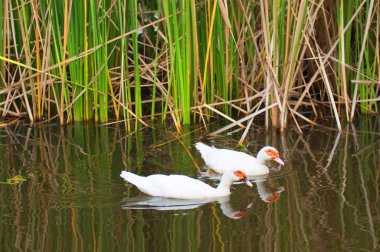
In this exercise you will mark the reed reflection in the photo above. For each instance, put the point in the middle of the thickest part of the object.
(71, 197)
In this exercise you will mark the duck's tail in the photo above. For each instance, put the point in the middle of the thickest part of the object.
(130, 177)
(204, 149)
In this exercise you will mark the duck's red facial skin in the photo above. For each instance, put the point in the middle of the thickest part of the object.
(241, 175)
(272, 153)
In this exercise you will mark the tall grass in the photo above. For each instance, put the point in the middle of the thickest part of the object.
(288, 61)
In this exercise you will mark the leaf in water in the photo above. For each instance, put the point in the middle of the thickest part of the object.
(15, 180)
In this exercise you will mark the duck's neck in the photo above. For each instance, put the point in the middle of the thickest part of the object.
(225, 184)
(261, 157)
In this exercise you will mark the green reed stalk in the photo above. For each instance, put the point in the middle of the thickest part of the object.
(99, 62)
(208, 73)
(85, 98)
(275, 54)
(365, 55)
(180, 58)
(165, 7)
(58, 49)
(202, 36)
(2, 47)
(232, 55)
(76, 25)
(24, 15)
(153, 108)
(267, 35)
(172, 82)
(344, 52)
(188, 74)
(371, 65)
(297, 27)
(220, 60)
(178, 64)
(37, 57)
(103, 64)
(277, 26)
(194, 43)
(376, 67)
(124, 83)
(137, 82)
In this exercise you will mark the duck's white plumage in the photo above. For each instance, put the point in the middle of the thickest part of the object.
(222, 160)
(183, 187)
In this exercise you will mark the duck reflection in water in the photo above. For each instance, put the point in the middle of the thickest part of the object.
(267, 193)
(166, 204)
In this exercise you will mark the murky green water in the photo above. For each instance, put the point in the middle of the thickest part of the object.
(70, 196)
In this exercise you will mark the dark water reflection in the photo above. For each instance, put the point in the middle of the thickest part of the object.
(326, 197)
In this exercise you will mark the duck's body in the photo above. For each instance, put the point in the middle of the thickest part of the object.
(183, 187)
(221, 160)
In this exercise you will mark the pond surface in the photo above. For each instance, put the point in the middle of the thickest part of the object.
(60, 190)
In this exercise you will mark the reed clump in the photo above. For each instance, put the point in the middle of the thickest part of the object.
(289, 61)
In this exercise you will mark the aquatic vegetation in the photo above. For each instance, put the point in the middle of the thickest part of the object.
(14, 180)
(288, 61)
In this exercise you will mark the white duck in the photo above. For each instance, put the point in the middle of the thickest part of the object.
(183, 187)
(221, 160)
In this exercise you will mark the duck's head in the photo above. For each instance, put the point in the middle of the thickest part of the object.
(269, 153)
(240, 176)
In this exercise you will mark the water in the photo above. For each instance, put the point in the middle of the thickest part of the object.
(69, 196)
